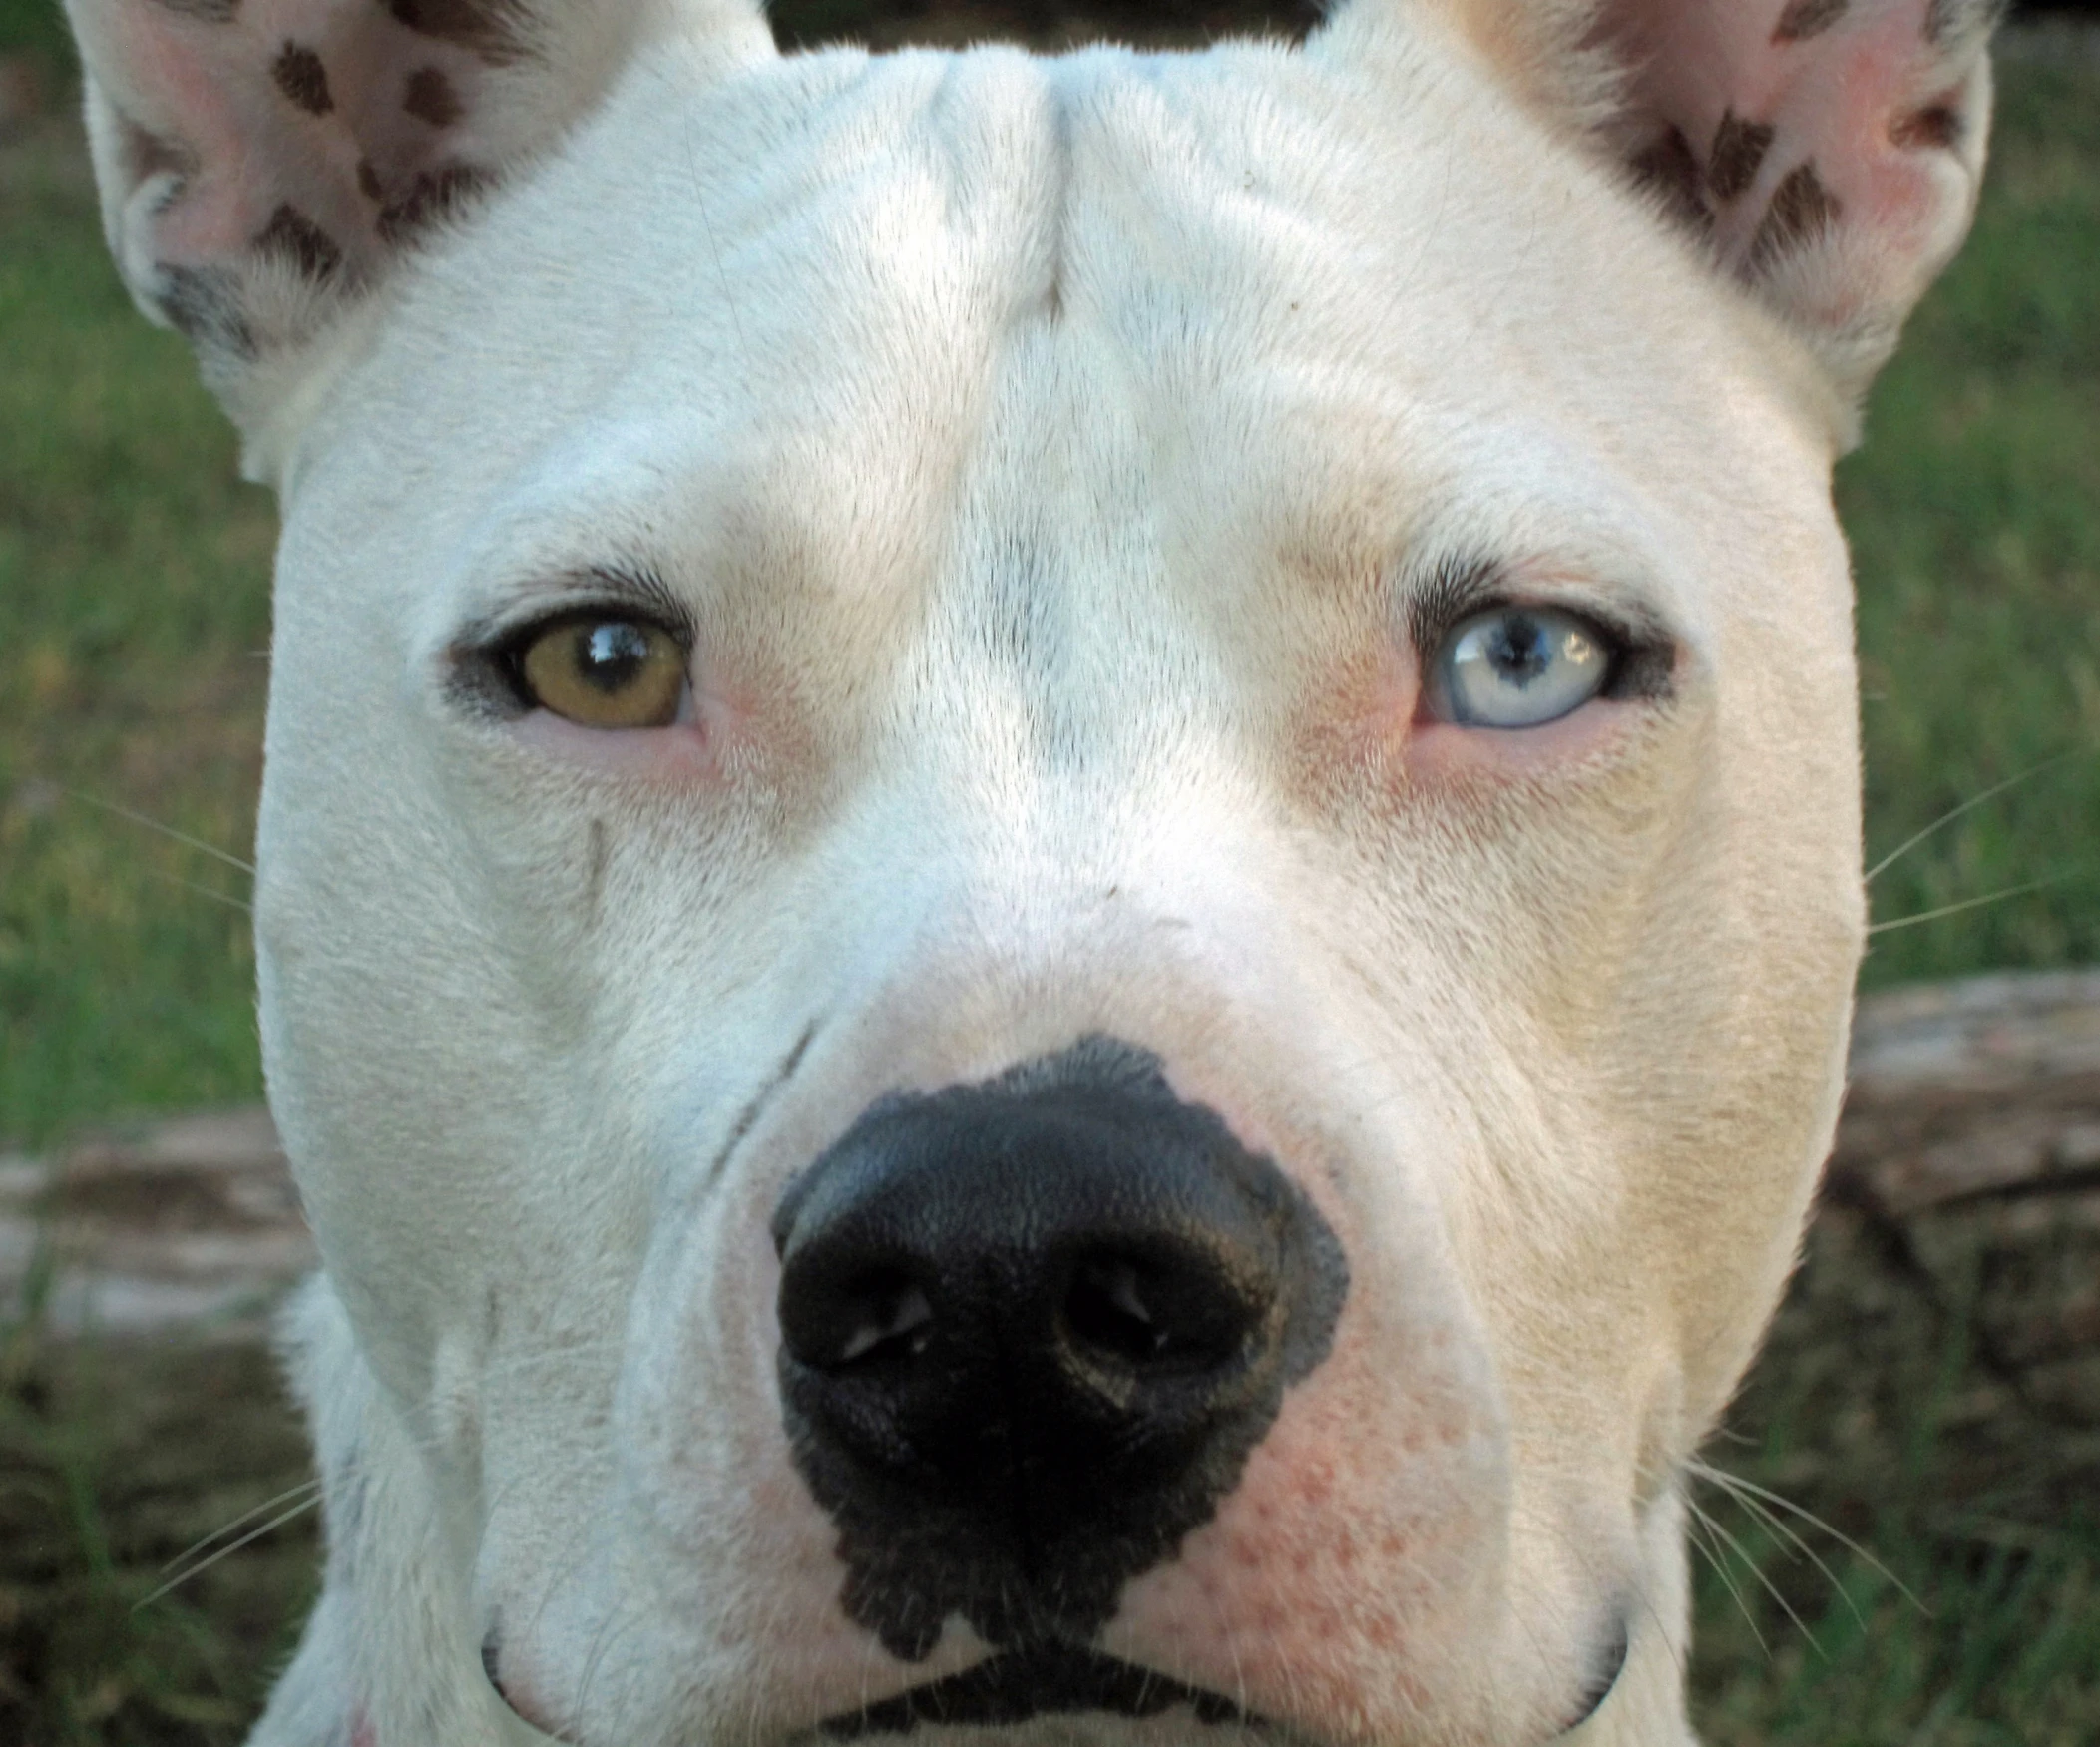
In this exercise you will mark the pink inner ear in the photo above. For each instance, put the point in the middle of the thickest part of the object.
(1800, 119)
(322, 135)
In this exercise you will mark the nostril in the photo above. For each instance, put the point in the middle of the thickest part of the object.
(838, 1319)
(894, 1321)
(1158, 1316)
(1107, 1309)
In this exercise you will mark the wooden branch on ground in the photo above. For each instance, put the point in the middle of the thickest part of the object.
(1977, 1090)
(189, 1223)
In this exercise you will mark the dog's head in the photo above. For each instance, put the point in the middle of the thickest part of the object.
(1059, 866)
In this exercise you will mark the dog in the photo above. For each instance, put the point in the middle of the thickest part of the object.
(1059, 866)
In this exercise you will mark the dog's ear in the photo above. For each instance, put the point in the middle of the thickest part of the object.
(1826, 151)
(265, 163)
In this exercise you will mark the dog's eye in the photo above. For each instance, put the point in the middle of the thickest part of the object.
(602, 673)
(1519, 667)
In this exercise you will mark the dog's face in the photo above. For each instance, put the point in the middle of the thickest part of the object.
(1060, 865)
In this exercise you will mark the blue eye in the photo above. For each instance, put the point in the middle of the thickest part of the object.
(1517, 667)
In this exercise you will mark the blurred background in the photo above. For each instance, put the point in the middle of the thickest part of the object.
(1901, 1542)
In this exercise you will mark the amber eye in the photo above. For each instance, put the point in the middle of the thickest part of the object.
(604, 673)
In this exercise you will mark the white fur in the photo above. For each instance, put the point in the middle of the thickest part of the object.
(1047, 451)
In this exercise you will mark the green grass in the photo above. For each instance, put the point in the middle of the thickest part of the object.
(133, 619)
(1906, 1400)
(38, 27)
(112, 1461)
(1974, 513)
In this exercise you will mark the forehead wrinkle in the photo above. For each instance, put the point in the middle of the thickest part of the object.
(1055, 545)
(1113, 423)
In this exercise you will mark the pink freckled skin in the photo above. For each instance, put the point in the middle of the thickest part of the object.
(729, 732)
(681, 751)
(362, 1734)
(1336, 1584)
(1383, 719)
(1443, 754)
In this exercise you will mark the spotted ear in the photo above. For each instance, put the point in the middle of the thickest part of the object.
(263, 164)
(1827, 152)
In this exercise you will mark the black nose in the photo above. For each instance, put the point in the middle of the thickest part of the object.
(1032, 1329)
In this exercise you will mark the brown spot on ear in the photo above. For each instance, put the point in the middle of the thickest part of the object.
(494, 30)
(1806, 18)
(1939, 125)
(436, 195)
(1739, 149)
(430, 97)
(303, 80)
(202, 305)
(1671, 169)
(204, 11)
(1801, 210)
(296, 238)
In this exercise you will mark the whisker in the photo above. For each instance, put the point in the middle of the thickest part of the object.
(267, 1505)
(217, 897)
(2018, 891)
(183, 837)
(601, 1645)
(226, 1552)
(1775, 1525)
(1701, 1529)
(1766, 1583)
(1736, 1484)
(1953, 813)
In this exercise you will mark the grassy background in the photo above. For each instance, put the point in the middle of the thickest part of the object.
(134, 623)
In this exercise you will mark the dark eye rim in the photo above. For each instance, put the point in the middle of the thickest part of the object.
(506, 654)
(1641, 661)
(487, 673)
(482, 667)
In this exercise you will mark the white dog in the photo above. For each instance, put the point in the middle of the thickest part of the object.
(1061, 861)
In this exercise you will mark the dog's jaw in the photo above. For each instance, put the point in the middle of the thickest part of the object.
(381, 1660)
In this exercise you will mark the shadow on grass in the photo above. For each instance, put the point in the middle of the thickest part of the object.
(1931, 1393)
(114, 1458)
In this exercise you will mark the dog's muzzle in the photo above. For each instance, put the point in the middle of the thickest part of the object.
(1032, 1329)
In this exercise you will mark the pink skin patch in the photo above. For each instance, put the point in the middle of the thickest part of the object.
(352, 144)
(1862, 107)
(1332, 1586)
(1583, 741)
(717, 735)
(1374, 716)
(362, 1734)
(680, 754)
